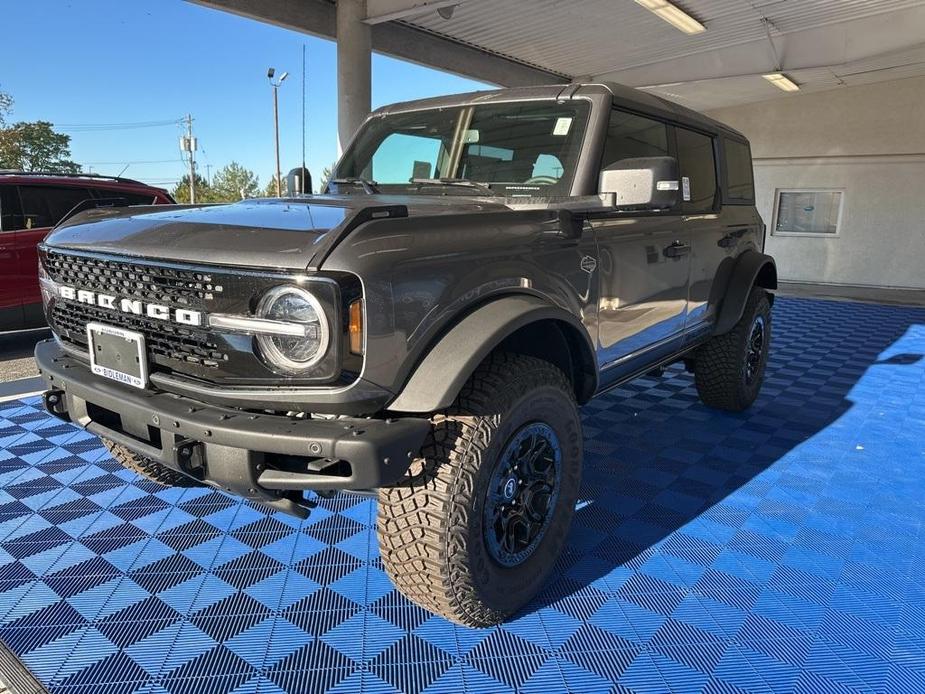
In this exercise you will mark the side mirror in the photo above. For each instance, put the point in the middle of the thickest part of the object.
(299, 182)
(646, 183)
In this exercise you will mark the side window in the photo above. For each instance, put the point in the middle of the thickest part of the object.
(698, 165)
(44, 206)
(390, 163)
(132, 198)
(10, 217)
(740, 184)
(630, 136)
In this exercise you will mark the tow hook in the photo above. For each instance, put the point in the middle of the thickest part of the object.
(56, 403)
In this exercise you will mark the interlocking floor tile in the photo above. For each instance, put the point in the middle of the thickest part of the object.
(781, 549)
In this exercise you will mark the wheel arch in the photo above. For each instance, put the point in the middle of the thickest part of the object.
(752, 269)
(524, 324)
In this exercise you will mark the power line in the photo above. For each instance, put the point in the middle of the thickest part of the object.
(103, 127)
(149, 161)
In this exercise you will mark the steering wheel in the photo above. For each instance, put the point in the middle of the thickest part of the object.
(542, 181)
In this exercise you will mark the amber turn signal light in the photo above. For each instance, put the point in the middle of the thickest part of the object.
(356, 327)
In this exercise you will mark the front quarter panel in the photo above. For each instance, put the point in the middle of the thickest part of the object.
(420, 275)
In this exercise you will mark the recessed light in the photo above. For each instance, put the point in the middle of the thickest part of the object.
(674, 15)
(781, 81)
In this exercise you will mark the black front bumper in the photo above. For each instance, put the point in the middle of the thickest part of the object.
(265, 457)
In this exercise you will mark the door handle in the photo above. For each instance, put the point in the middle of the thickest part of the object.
(676, 250)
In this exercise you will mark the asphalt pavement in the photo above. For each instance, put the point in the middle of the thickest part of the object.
(17, 366)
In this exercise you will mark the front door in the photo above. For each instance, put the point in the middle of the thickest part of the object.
(644, 267)
(644, 261)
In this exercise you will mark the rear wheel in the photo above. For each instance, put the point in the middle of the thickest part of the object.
(729, 369)
(148, 468)
(474, 529)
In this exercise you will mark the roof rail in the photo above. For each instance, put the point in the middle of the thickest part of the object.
(59, 174)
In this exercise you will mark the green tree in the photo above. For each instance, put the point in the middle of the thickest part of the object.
(234, 182)
(326, 174)
(6, 107)
(270, 190)
(181, 190)
(36, 147)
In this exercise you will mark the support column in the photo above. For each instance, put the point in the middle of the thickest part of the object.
(354, 69)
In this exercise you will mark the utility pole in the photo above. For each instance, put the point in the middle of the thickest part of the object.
(270, 72)
(188, 144)
(209, 174)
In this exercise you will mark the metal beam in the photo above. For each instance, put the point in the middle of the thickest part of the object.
(316, 17)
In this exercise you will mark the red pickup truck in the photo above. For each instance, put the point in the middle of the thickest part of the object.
(31, 203)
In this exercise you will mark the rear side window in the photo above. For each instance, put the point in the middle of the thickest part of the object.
(630, 136)
(44, 206)
(131, 198)
(740, 182)
(10, 218)
(698, 171)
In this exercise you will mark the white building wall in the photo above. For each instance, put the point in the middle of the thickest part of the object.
(868, 141)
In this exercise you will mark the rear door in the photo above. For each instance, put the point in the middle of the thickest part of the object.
(644, 262)
(43, 206)
(10, 223)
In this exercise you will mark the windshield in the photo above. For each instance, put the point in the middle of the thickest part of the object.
(527, 148)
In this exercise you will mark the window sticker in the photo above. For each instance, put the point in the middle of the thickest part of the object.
(562, 126)
(686, 188)
(471, 137)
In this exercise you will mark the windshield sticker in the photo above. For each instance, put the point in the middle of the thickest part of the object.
(686, 188)
(562, 126)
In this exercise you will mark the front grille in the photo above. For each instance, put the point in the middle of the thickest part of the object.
(177, 287)
(162, 339)
(174, 287)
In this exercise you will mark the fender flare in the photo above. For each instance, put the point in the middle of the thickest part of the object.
(450, 362)
(750, 269)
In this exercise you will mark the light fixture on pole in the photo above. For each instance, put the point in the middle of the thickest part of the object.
(270, 73)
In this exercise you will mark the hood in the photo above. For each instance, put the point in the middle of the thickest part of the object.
(284, 233)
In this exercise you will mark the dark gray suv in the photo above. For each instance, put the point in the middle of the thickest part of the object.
(478, 267)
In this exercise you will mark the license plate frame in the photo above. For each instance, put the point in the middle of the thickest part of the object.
(117, 354)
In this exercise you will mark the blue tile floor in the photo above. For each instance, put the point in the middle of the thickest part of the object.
(778, 550)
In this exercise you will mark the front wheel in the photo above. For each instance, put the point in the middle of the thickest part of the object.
(729, 369)
(474, 529)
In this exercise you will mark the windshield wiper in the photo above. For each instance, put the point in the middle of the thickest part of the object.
(454, 182)
(369, 187)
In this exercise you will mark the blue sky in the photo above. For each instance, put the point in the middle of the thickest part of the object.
(125, 61)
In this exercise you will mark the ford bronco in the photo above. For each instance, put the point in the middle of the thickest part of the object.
(477, 268)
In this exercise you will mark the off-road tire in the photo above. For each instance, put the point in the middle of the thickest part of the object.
(720, 364)
(431, 525)
(147, 468)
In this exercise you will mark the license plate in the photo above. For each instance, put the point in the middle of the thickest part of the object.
(117, 354)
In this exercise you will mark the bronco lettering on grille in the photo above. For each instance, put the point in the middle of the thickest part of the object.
(158, 311)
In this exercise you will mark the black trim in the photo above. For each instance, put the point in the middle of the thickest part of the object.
(245, 453)
(15, 676)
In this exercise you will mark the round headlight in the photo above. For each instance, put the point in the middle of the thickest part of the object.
(299, 309)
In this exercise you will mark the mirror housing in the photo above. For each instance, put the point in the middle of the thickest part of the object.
(643, 183)
(299, 181)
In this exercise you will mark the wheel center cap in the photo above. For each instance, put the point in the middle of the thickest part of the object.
(510, 487)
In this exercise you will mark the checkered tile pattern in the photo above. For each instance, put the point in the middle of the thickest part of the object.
(777, 550)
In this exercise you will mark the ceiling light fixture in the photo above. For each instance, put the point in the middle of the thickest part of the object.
(781, 81)
(674, 15)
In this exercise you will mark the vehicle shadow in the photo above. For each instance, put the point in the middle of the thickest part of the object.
(657, 461)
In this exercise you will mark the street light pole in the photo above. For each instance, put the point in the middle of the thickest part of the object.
(275, 85)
